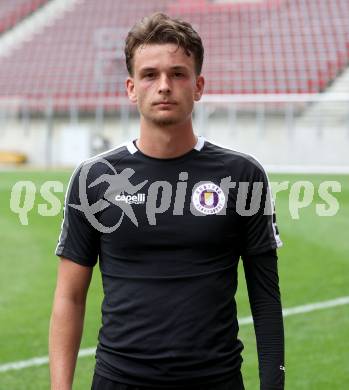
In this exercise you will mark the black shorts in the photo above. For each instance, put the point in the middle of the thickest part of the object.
(101, 383)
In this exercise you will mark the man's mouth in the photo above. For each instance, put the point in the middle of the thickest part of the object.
(164, 103)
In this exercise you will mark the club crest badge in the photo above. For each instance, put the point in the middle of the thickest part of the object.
(208, 198)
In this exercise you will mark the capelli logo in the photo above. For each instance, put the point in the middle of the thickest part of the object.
(131, 199)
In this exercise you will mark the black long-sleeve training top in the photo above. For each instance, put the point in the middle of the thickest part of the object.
(168, 235)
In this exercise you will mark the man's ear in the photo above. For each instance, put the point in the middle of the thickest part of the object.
(130, 87)
(199, 87)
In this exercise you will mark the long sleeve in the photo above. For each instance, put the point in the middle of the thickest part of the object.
(262, 280)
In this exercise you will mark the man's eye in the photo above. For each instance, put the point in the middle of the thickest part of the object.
(149, 75)
(178, 74)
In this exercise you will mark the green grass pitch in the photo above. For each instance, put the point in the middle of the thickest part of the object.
(313, 267)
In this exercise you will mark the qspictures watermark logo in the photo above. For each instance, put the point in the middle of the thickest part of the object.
(206, 197)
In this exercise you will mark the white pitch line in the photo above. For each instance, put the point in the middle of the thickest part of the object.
(302, 309)
(39, 361)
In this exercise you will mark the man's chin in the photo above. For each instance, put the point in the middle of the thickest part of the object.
(165, 121)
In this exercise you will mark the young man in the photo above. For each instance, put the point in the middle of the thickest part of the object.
(168, 215)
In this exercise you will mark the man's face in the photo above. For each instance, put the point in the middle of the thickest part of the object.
(164, 84)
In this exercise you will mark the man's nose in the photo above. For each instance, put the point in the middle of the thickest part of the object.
(164, 84)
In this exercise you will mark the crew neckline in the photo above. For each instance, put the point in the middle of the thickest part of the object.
(133, 149)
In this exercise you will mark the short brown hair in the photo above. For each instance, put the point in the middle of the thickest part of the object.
(160, 28)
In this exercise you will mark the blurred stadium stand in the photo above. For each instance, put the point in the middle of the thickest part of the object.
(67, 58)
(13, 11)
(292, 46)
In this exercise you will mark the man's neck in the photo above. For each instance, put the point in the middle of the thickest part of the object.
(168, 142)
